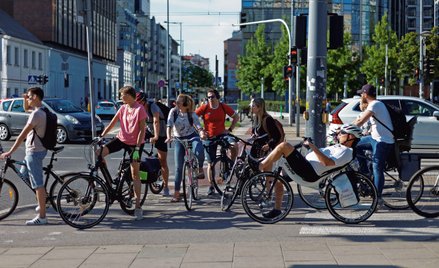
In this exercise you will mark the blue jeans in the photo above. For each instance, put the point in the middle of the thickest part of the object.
(34, 163)
(380, 153)
(179, 152)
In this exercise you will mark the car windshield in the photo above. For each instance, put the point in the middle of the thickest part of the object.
(63, 106)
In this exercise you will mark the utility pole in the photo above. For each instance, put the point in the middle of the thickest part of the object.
(316, 72)
(421, 52)
(168, 90)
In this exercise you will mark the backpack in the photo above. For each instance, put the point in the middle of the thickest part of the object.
(50, 135)
(400, 126)
(165, 110)
(279, 128)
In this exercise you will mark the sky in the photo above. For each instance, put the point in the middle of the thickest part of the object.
(205, 25)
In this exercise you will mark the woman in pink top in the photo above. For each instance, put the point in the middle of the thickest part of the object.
(131, 137)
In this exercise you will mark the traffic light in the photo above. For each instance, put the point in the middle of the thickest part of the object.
(243, 20)
(335, 31)
(382, 81)
(288, 71)
(426, 68)
(417, 74)
(293, 55)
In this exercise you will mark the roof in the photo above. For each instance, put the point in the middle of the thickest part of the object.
(9, 26)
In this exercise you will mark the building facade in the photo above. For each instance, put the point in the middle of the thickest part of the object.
(232, 48)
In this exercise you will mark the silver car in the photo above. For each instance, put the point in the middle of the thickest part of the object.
(74, 124)
(426, 130)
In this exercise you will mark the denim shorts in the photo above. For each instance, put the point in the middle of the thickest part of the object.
(211, 146)
(34, 162)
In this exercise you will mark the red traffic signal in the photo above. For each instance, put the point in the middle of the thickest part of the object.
(288, 71)
(293, 55)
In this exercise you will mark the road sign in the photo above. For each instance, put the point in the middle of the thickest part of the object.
(161, 83)
(32, 79)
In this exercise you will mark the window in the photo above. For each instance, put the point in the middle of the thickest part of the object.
(25, 59)
(6, 104)
(417, 108)
(33, 60)
(16, 56)
(17, 106)
(40, 61)
(8, 55)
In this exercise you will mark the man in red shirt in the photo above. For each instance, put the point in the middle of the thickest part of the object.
(214, 116)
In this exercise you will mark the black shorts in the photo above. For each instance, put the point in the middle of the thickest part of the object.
(116, 145)
(161, 144)
(301, 166)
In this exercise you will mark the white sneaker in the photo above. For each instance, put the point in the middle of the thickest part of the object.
(37, 221)
(138, 214)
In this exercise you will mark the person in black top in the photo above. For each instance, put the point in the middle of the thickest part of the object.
(263, 124)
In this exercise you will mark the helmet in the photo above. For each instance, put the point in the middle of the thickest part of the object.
(140, 96)
(352, 129)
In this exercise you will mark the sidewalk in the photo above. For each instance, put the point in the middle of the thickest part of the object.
(310, 252)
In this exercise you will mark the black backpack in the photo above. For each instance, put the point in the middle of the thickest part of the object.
(402, 130)
(50, 135)
(165, 110)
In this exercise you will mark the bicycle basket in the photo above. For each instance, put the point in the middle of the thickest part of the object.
(149, 169)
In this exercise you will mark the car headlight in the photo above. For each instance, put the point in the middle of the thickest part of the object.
(72, 119)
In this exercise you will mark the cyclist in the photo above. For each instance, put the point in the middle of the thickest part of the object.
(380, 141)
(214, 115)
(131, 137)
(35, 151)
(156, 125)
(315, 163)
(185, 123)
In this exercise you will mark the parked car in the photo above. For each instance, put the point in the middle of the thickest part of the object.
(74, 124)
(106, 109)
(119, 103)
(424, 135)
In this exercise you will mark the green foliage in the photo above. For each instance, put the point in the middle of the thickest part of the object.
(373, 65)
(252, 66)
(342, 63)
(432, 45)
(196, 76)
(408, 56)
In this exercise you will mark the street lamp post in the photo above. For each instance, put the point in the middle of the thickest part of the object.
(421, 52)
(181, 51)
(262, 87)
(168, 90)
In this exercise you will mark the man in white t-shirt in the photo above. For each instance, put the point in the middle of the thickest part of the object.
(380, 141)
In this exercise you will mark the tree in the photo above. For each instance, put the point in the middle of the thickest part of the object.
(343, 64)
(408, 57)
(432, 48)
(252, 66)
(280, 59)
(195, 76)
(374, 64)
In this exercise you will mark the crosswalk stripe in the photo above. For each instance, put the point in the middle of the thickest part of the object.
(370, 227)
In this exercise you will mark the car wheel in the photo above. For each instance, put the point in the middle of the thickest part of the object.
(5, 134)
(61, 135)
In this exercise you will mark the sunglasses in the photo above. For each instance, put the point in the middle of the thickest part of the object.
(211, 97)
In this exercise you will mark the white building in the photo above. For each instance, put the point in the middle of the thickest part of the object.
(22, 58)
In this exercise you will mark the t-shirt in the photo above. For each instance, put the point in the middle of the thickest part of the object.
(340, 154)
(38, 120)
(214, 118)
(379, 132)
(181, 127)
(130, 118)
(150, 122)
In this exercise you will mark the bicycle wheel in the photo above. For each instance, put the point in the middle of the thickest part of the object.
(8, 198)
(54, 190)
(258, 198)
(157, 186)
(423, 192)
(126, 194)
(218, 174)
(312, 197)
(394, 192)
(366, 195)
(187, 188)
(83, 201)
(230, 193)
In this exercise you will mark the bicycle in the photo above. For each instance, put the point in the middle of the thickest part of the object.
(423, 192)
(223, 163)
(259, 193)
(8, 191)
(84, 199)
(189, 173)
(236, 176)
